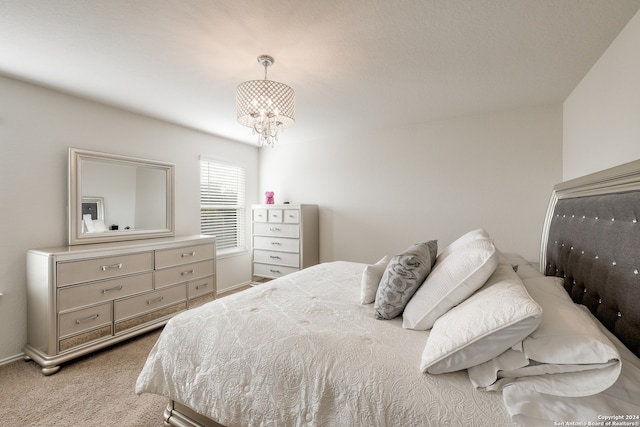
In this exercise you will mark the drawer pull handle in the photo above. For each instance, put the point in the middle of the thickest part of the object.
(204, 285)
(275, 243)
(274, 229)
(87, 319)
(274, 257)
(111, 267)
(185, 273)
(115, 288)
(188, 254)
(274, 271)
(151, 301)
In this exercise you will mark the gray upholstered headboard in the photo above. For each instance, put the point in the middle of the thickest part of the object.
(591, 238)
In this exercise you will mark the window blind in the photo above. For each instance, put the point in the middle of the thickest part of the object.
(222, 203)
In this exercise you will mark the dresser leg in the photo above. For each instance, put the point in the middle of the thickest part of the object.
(50, 370)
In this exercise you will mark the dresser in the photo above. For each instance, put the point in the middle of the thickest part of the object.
(285, 239)
(87, 297)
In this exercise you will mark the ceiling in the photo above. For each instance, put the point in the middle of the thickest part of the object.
(355, 65)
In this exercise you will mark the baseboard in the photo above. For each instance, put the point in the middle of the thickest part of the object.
(11, 359)
(233, 289)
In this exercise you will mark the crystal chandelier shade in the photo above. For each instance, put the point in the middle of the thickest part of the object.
(265, 106)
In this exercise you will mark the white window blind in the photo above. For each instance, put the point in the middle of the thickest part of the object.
(222, 203)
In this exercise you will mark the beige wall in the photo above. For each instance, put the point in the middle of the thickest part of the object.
(379, 193)
(36, 127)
(602, 114)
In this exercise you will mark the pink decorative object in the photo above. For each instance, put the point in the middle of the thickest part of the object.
(268, 195)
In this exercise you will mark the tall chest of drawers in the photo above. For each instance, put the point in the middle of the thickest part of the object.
(285, 239)
(84, 298)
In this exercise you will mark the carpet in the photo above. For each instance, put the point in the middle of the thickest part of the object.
(94, 390)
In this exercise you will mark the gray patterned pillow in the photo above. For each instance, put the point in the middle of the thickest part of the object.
(402, 278)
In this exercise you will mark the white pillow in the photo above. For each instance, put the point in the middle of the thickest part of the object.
(452, 280)
(567, 334)
(371, 279)
(463, 240)
(482, 327)
(567, 355)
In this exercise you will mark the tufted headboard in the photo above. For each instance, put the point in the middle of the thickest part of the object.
(591, 238)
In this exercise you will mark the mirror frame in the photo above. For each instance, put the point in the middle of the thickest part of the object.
(74, 205)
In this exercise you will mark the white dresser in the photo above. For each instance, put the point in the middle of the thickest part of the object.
(285, 239)
(83, 298)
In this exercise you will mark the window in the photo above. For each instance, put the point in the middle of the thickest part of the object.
(222, 205)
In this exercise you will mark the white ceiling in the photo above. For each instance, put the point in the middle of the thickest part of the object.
(354, 64)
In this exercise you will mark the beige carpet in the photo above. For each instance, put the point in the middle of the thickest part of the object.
(95, 390)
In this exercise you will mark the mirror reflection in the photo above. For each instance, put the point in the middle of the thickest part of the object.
(115, 197)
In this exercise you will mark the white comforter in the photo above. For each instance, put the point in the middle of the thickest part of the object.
(302, 351)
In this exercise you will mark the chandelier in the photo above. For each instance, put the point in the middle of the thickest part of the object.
(265, 106)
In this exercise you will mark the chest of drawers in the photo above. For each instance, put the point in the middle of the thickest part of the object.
(285, 239)
(84, 298)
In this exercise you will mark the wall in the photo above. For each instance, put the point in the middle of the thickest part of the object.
(381, 192)
(36, 127)
(602, 114)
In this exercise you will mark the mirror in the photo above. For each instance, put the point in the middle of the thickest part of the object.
(114, 197)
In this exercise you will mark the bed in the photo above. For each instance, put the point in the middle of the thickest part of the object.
(470, 336)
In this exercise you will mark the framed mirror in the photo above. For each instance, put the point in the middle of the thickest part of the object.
(114, 197)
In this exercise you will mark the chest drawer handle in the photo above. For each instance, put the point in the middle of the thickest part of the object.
(87, 319)
(204, 285)
(274, 271)
(151, 301)
(115, 288)
(112, 267)
(274, 257)
(274, 229)
(275, 243)
(188, 254)
(185, 273)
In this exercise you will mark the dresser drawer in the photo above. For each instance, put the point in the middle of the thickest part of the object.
(188, 254)
(274, 271)
(260, 215)
(82, 320)
(276, 244)
(275, 215)
(182, 273)
(71, 297)
(291, 216)
(201, 286)
(134, 306)
(103, 268)
(280, 258)
(277, 230)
